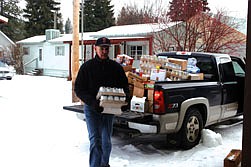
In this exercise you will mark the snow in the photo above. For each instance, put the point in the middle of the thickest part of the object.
(36, 131)
(133, 30)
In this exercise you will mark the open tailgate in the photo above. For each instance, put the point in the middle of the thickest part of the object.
(125, 116)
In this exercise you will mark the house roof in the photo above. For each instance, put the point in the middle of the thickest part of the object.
(114, 32)
(132, 30)
(3, 19)
(7, 38)
(68, 37)
(31, 40)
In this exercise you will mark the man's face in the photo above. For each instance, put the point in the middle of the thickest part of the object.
(102, 51)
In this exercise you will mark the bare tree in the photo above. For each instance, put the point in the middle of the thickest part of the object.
(18, 60)
(131, 14)
(219, 34)
(202, 32)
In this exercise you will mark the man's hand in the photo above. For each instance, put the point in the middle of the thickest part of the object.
(100, 109)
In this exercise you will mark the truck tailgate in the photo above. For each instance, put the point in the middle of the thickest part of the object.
(125, 116)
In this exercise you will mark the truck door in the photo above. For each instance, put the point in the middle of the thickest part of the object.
(239, 71)
(229, 88)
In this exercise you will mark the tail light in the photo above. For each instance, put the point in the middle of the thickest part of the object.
(159, 105)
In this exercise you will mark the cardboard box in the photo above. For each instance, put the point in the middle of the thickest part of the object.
(138, 89)
(233, 159)
(181, 62)
(139, 104)
(150, 94)
(133, 77)
(127, 68)
(150, 106)
(112, 107)
(197, 76)
(158, 74)
(145, 77)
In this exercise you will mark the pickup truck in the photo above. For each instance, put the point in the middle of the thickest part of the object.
(181, 109)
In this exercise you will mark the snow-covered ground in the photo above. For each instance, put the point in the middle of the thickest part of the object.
(36, 132)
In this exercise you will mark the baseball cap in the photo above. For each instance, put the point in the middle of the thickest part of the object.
(103, 41)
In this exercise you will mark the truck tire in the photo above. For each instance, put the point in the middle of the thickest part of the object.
(190, 132)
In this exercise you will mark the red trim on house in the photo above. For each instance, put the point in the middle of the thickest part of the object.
(3, 19)
(113, 42)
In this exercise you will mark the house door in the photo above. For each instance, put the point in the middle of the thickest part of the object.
(40, 58)
(116, 50)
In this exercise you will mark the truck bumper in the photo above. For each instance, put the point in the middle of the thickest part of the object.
(143, 128)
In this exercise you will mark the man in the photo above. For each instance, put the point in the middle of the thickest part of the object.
(93, 74)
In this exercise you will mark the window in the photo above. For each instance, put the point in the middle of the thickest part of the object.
(136, 52)
(227, 70)
(237, 68)
(26, 50)
(59, 51)
(208, 67)
(40, 54)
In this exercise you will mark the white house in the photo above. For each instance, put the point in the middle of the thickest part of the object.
(52, 52)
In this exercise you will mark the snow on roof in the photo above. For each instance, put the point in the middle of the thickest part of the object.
(114, 32)
(132, 30)
(3, 19)
(5, 36)
(68, 37)
(35, 39)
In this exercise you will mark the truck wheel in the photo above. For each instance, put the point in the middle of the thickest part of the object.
(190, 132)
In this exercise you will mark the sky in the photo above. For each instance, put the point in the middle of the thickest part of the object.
(234, 8)
(37, 132)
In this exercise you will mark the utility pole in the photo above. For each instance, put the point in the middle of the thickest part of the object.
(75, 47)
(55, 20)
(82, 31)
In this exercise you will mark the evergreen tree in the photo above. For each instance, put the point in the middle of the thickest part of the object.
(40, 16)
(88, 15)
(98, 14)
(182, 10)
(14, 29)
(68, 26)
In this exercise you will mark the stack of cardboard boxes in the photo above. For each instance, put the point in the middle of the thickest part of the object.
(111, 99)
(141, 91)
(152, 69)
(167, 69)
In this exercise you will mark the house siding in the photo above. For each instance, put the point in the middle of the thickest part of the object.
(51, 64)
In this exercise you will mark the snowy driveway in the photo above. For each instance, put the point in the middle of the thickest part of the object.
(37, 132)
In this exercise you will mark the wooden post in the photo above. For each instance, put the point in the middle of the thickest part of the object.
(75, 47)
(246, 146)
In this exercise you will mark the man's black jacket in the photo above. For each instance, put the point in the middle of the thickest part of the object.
(96, 73)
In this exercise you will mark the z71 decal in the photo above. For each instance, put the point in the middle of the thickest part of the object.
(173, 106)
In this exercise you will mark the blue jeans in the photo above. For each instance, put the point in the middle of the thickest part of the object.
(100, 128)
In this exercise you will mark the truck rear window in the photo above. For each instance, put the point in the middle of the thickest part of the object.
(206, 63)
(207, 66)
